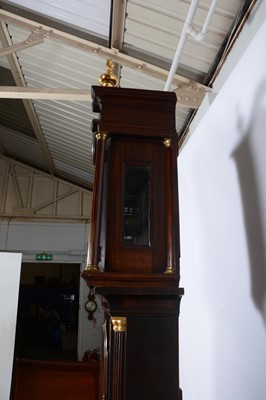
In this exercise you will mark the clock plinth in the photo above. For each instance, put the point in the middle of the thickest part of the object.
(133, 258)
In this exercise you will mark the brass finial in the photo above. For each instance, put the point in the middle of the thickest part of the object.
(108, 79)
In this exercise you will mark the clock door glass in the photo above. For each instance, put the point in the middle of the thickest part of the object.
(136, 205)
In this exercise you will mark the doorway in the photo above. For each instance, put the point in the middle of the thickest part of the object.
(47, 319)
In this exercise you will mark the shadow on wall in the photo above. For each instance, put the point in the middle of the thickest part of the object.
(250, 171)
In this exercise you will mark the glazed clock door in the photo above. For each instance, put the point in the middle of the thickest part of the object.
(136, 206)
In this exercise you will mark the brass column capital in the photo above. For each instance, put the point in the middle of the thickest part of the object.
(101, 135)
(167, 142)
(119, 324)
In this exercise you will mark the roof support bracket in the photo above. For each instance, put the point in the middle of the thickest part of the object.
(36, 37)
(188, 96)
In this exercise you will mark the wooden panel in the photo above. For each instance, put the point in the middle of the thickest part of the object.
(129, 258)
(134, 111)
(136, 282)
(152, 351)
(150, 363)
(54, 380)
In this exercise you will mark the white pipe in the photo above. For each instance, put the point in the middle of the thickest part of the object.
(188, 22)
(188, 29)
(200, 36)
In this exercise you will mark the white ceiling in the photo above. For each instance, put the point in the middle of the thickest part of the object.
(68, 50)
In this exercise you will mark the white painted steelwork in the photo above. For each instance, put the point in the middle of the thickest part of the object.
(29, 193)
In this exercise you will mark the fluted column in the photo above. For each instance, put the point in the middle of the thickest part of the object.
(171, 237)
(97, 201)
(119, 325)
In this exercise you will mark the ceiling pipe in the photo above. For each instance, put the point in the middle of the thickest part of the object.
(189, 30)
(200, 36)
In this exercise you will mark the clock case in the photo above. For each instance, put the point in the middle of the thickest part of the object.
(133, 257)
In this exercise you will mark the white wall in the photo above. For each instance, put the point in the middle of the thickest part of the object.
(67, 241)
(9, 283)
(222, 189)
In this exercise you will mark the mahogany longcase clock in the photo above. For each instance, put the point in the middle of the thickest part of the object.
(133, 258)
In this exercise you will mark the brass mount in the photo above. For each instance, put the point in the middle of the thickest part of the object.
(108, 78)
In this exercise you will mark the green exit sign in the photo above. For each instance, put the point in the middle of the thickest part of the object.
(44, 257)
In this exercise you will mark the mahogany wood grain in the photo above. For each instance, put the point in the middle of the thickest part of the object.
(149, 367)
(145, 113)
(141, 362)
(54, 380)
(117, 366)
(135, 281)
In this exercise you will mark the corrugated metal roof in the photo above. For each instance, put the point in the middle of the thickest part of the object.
(151, 33)
(65, 125)
(87, 14)
(23, 148)
(10, 108)
(155, 27)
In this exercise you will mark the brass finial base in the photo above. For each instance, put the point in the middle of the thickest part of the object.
(92, 268)
(170, 270)
(108, 79)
